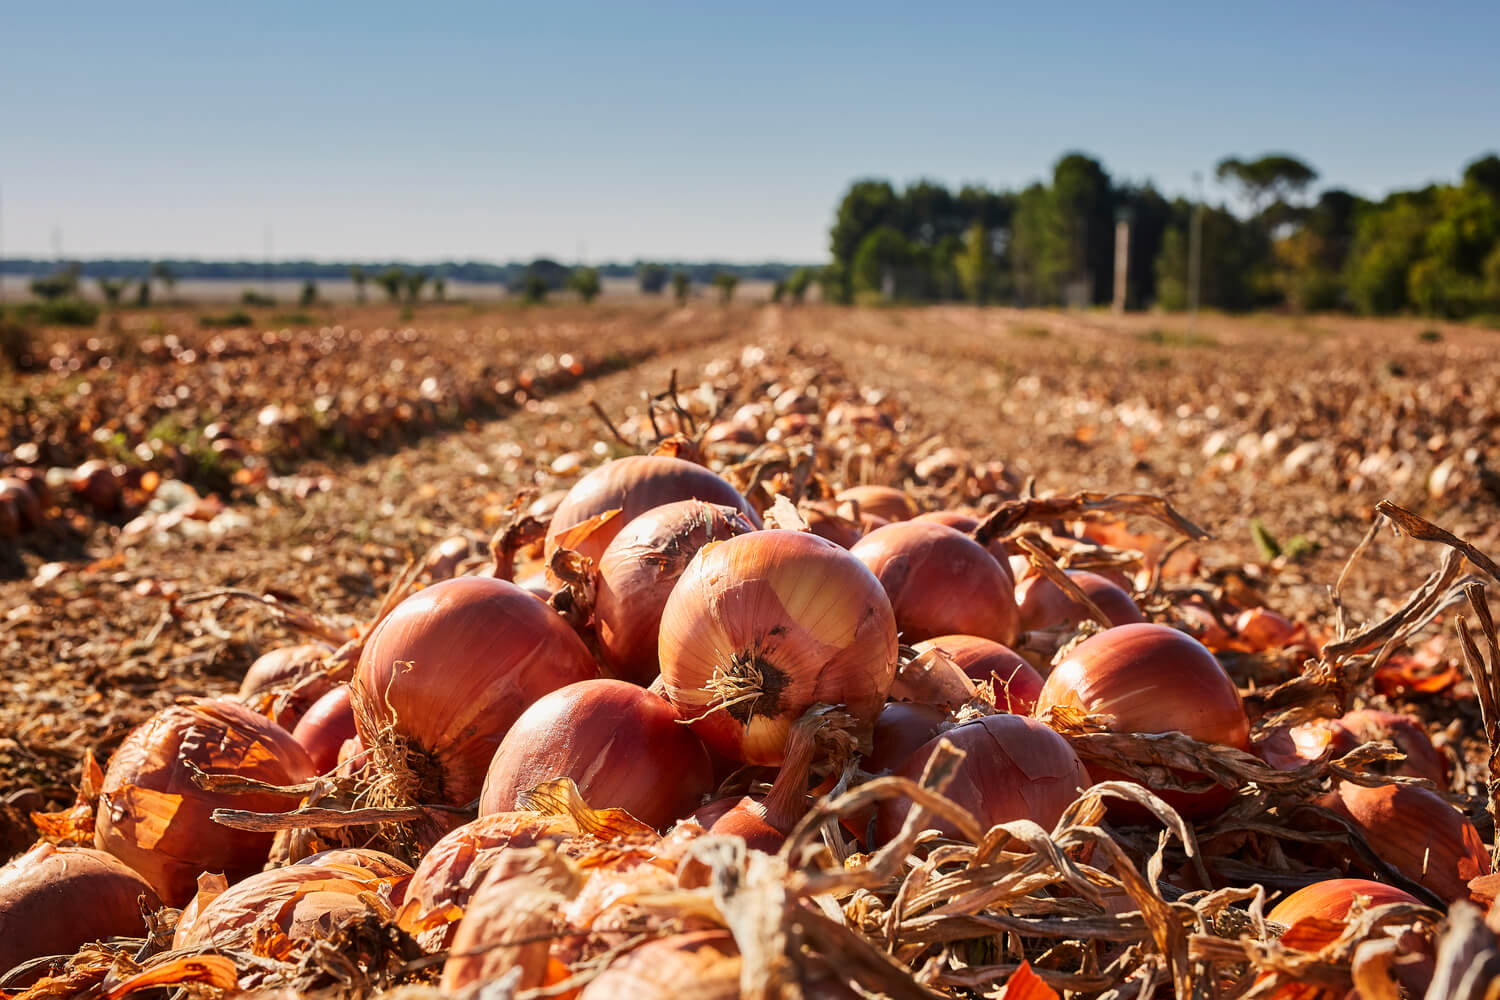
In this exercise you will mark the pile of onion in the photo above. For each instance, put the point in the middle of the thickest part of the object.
(623, 746)
(940, 582)
(1152, 679)
(1417, 833)
(1014, 768)
(153, 816)
(1043, 604)
(637, 572)
(632, 486)
(1016, 683)
(1297, 745)
(765, 822)
(55, 899)
(444, 676)
(761, 627)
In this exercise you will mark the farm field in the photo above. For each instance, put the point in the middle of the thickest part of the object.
(312, 460)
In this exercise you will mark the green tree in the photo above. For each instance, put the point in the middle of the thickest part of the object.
(1267, 182)
(415, 281)
(652, 278)
(1232, 252)
(143, 293)
(111, 289)
(309, 296)
(162, 272)
(681, 285)
(976, 264)
(1484, 173)
(534, 287)
(778, 290)
(797, 283)
(1083, 211)
(439, 287)
(392, 281)
(585, 281)
(886, 265)
(1038, 248)
(726, 283)
(61, 284)
(868, 205)
(358, 276)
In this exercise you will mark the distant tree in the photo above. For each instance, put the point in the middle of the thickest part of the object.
(111, 289)
(975, 264)
(1266, 183)
(392, 281)
(585, 281)
(652, 278)
(778, 290)
(1233, 253)
(309, 296)
(885, 265)
(1484, 173)
(163, 273)
(1083, 201)
(681, 285)
(726, 283)
(797, 283)
(439, 287)
(414, 281)
(868, 205)
(1039, 251)
(60, 284)
(833, 281)
(534, 287)
(358, 276)
(143, 293)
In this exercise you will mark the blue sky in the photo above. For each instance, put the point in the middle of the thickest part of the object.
(694, 130)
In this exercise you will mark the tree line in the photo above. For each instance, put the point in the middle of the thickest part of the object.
(1434, 251)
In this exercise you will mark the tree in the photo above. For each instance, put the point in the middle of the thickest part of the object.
(111, 289)
(392, 281)
(1083, 211)
(868, 205)
(414, 281)
(163, 273)
(143, 293)
(534, 287)
(585, 281)
(726, 283)
(309, 296)
(1038, 252)
(975, 264)
(681, 285)
(439, 288)
(358, 276)
(1484, 173)
(1267, 182)
(778, 291)
(652, 278)
(885, 265)
(1233, 252)
(797, 283)
(60, 284)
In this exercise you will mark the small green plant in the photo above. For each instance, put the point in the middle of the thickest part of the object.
(1430, 336)
(726, 284)
(68, 312)
(406, 314)
(585, 281)
(250, 297)
(309, 296)
(1265, 542)
(1395, 369)
(681, 286)
(233, 318)
(294, 319)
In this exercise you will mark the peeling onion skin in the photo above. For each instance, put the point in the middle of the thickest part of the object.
(1414, 830)
(54, 900)
(637, 572)
(1015, 768)
(267, 685)
(1044, 605)
(795, 610)
(480, 651)
(1017, 684)
(146, 779)
(623, 746)
(634, 485)
(940, 582)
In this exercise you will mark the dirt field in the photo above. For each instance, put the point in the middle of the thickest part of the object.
(1302, 423)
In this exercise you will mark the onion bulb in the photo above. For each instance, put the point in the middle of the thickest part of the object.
(278, 684)
(1332, 899)
(1014, 768)
(1043, 603)
(825, 522)
(940, 582)
(1016, 683)
(154, 818)
(633, 486)
(1417, 833)
(762, 627)
(1295, 746)
(638, 570)
(885, 502)
(966, 524)
(901, 728)
(704, 965)
(325, 727)
(444, 676)
(1152, 679)
(622, 745)
(765, 822)
(55, 899)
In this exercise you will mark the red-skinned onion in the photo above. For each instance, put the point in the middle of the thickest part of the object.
(762, 627)
(325, 727)
(880, 501)
(765, 822)
(965, 524)
(1043, 604)
(279, 683)
(823, 521)
(1416, 832)
(1016, 683)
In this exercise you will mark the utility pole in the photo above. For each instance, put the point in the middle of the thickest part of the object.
(1195, 251)
(1122, 260)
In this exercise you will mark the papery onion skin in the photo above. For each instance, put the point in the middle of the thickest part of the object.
(1417, 833)
(1152, 679)
(154, 818)
(509, 924)
(789, 616)
(451, 669)
(636, 574)
(1332, 899)
(701, 966)
(1016, 683)
(1044, 605)
(634, 485)
(55, 899)
(623, 746)
(881, 501)
(1015, 768)
(325, 727)
(940, 582)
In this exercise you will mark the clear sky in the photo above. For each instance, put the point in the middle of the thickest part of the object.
(682, 130)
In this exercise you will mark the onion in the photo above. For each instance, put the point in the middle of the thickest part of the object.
(701, 966)
(940, 582)
(1152, 679)
(1292, 747)
(1332, 899)
(271, 685)
(634, 485)
(761, 627)
(1417, 833)
(98, 484)
(825, 522)
(325, 727)
(966, 524)
(1043, 603)
(55, 899)
(765, 822)
(448, 672)
(637, 573)
(1262, 628)
(303, 901)
(901, 728)
(1017, 684)
(154, 818)
(622, 745)
(1015, 768)
(23, 503)
(881, 501)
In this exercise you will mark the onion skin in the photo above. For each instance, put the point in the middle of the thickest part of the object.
(966, 524)
(826, 523)
(509, 922)
(885, 502)
(154, 818)
(637, 572)
(474, 653)
(784, 619)
(278, 684)
(701, 966)
(1044, 605)
(1417, 833)
(622, 745)
(1016, 683)
(1332, 899)
(53, 900)
(1152, 679)
(901, 728)
(1016, 768)
(634, 485)
(325, 727)
(940, 582)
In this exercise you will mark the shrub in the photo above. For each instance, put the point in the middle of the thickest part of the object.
(236, 317)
